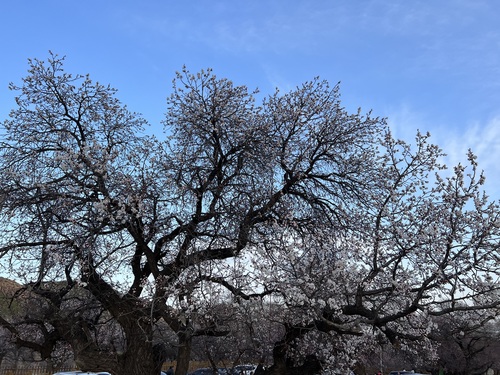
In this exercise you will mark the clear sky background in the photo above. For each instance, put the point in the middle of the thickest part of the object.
(432, 65)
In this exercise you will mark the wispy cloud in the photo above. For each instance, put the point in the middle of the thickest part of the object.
(484, 141)
(482, 138)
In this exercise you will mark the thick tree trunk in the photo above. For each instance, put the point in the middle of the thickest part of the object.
(183, 353)
(282, 365)
(140, 360)
(140, 356)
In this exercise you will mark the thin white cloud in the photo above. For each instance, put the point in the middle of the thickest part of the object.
(484, 141)
(482, 138)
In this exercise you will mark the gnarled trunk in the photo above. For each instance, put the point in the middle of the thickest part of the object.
(140, 357)
(282, 365)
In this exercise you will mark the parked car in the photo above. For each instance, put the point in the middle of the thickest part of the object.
(208, 371)
(89, 373)
(243, 370)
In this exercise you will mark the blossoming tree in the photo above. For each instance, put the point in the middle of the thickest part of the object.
(355, 234)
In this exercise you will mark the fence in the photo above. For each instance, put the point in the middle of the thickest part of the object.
(42, 369)
(37, 369)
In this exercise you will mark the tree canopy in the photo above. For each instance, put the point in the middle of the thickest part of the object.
(356, 237)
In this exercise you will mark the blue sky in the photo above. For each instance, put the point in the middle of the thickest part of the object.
(432, 65)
